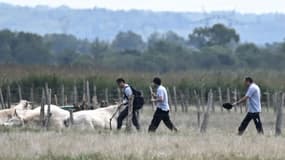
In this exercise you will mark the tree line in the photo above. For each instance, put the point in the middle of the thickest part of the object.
(215, 47)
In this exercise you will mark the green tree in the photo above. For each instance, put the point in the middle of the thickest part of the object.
(218, 34)
(98, 48)
(27, 48)
(249, 55)
(128, 41)
(168, 43)
(6, 38)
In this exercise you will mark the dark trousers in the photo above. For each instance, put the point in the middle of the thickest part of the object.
(124, 114)
(157, 117)
(247, 119)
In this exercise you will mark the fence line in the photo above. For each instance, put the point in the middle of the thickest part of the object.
(184, 98)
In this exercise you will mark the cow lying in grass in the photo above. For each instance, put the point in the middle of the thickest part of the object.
(32, 117)
(98, 118)
(6, 114)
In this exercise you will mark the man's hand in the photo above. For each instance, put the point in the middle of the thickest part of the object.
(235, 103)
(153, 100)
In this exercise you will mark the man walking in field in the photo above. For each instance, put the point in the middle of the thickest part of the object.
(253, 99)
(128, 92)
(162, 110)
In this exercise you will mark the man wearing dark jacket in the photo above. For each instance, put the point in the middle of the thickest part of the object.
(127, 93)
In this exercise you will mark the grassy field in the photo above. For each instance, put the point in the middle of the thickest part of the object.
(219, 143)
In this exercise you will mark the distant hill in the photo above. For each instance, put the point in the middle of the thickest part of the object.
(105, 24)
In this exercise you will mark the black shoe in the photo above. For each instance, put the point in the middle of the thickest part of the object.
(175, 129)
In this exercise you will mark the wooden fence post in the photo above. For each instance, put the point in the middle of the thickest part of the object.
(228, 96)
(84, 95)
(2, 100)
(198, 104)
(220, 99)
(175, 98)
(275, 101)
(88, 94)
(235, 98)
(55, 99)
(62, 95)
(203, 99)
(107, 96)
(48, 99)
(130, 114)
(20, 92)
(75, 95)
(65, 100)
(151, 97)
(119, 95)
(187, 99)
(267, 101)
(42, 110)
(94, 98)
(32, 94)
(70, 117)
(240, 105)
(182, 101)
(9, 96)
(279, 115)
(205, 121)
(141, 110)
(213, 102)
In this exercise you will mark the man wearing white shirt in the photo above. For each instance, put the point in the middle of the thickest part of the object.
(162, 110)
(253, 98)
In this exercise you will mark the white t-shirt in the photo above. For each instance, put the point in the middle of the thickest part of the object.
(161, 92)
(127, 93)
(253, 102)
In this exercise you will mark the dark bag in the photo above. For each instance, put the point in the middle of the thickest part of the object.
(138, 99)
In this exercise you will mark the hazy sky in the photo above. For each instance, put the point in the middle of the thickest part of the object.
(252, 6)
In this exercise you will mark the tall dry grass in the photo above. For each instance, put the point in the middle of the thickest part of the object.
(219, 143)
(55, 76)
(268, 79)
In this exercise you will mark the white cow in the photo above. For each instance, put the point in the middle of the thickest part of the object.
(57, 118)
(98, 118)
(6, 114)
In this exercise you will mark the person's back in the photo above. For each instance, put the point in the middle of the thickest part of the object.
(162, 92)
(254, 99)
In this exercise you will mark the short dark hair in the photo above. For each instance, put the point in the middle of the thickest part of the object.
(119, 80)
(249, 79)
(157, 81)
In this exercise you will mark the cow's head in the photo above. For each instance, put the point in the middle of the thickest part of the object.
(24, 105)
(14, 120)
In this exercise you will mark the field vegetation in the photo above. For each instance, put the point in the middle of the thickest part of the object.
(220, 142)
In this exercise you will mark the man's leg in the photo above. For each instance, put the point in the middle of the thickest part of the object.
(244, 123)
(155, 121)
(168, 123)
(135, 120)
(258, 123)
(121, 117)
